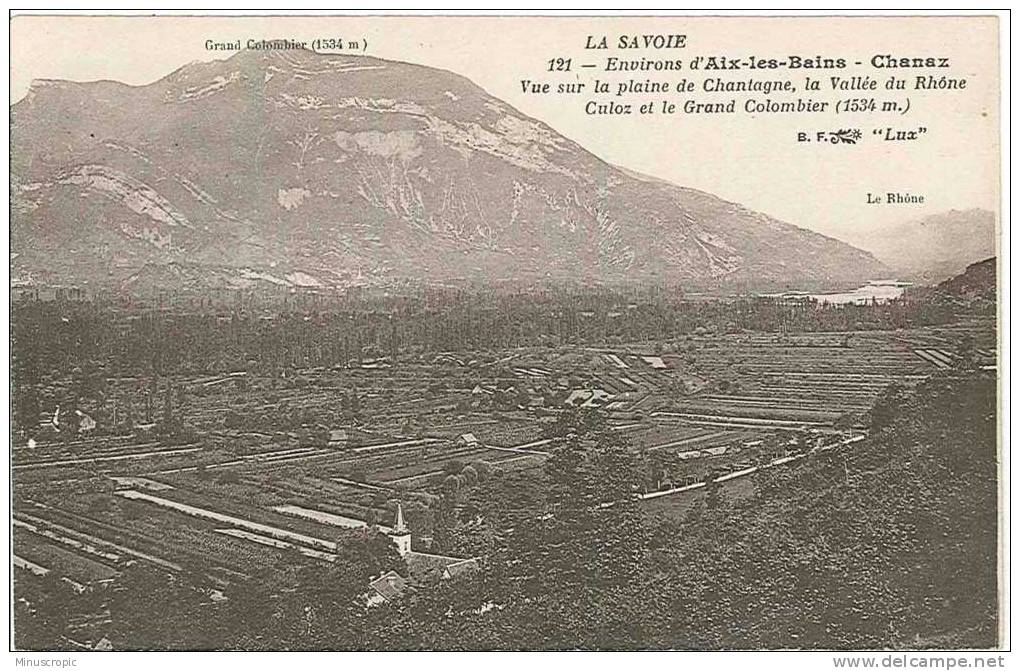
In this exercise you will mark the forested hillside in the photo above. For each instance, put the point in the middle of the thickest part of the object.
(890, 543)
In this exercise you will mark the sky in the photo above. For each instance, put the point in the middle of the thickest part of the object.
(751, 159)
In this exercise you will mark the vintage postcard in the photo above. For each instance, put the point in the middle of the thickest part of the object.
(504, 333)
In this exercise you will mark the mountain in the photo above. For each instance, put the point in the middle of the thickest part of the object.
(976, 285)
(298, 169)
(935, 247)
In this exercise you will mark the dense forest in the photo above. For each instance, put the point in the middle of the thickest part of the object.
(56, 337)
(889, 543)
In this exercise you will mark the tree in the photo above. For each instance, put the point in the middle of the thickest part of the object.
(846, 421)
(965, 358)
(26, 412)
(451, 487)
(483, 469)
(571, 562)
(42, 612)
(886, 406)
(154, 609)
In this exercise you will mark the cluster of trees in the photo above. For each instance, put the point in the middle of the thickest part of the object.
(60, 336)
(311, 424)
(96, 412)
(889, 544)
(63, 352)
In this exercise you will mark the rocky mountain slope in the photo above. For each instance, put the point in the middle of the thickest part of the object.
(297, 169)
(976, 286)
(936, 247)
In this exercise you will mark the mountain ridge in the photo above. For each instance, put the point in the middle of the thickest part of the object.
(358, 170)
(934, 247)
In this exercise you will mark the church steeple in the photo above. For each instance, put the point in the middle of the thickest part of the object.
(400, 526)
(401, 535)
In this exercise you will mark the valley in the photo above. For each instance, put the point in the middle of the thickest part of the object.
(220, 470)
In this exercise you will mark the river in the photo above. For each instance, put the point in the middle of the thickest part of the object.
(879, 290)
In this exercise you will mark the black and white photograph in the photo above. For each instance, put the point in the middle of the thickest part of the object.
(499, 332)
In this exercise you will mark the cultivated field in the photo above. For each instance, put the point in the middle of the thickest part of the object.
(277, 464)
